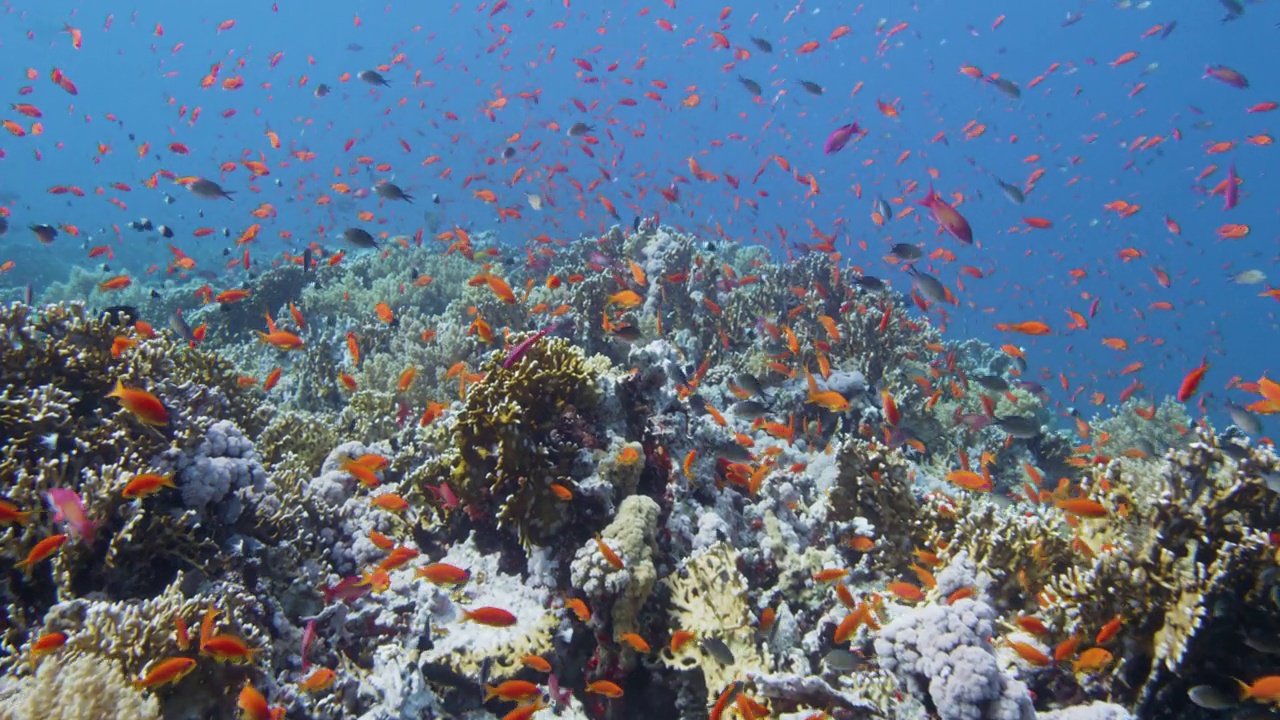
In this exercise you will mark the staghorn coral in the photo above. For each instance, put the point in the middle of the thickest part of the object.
(519, 432)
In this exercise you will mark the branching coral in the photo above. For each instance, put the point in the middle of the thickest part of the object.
(519, 433)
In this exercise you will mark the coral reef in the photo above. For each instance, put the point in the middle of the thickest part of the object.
(649, 474)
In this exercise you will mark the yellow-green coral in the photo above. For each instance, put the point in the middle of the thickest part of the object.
(709, 599)
(519, 433)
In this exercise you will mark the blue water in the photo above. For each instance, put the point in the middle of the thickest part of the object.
(144, 80)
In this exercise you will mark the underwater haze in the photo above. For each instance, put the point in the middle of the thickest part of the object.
(555, 302)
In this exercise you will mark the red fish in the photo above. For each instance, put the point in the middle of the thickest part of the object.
(947, 217)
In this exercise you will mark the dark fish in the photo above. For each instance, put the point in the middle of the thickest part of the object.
(635, 225)
(1234, 450)
(306, 261)
(812, 87)
(208, 189)
(355, 47)
(676, 373)
(122, 315)
(749, 382)
(373, 77)
(321, 90)
(1235, 9)
(1018, 426)
(884, 208)
(870, 282)
(165, 231)
(579, 129)
(994, 383)
(749, 409)
(906, 252)
(697, 403)
(359, 238)
(1013, 192)
(752, 86)
(508, 152)
(716, 648)
(1168, 28)
(4, 225)
(391, 191)
(1211, 698)
(762, 44)
(1008, 87)
(626, 333)
(44, 233)
(733, 452)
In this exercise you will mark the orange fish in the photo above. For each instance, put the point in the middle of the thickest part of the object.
(443, 574)
(144, 406)
(491, 616)
(318, 681)
(146, 484)
(166, 672)
(606, 688)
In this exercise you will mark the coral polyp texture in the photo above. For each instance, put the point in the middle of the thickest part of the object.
(692, 483)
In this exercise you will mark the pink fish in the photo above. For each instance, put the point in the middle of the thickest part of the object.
(947, 217)
(1226, 75)
(347, 590)
(308, 637)
(519, 350)
(1231, 195)
(445, 495)
(840, 137)
(69, 509)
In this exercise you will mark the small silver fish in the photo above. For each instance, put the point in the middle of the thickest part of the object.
(1248, 277)
(906, 252)
(930, 286)
(1013, 192)
(884, 208)
(716, 648)
(1245, 420)
(1210, 697)
(208, 189)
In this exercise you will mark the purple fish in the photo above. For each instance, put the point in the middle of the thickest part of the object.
(840, 137)
(1231, 196)
(1227, 75)
(69, 509)
(518, 351)
(308, 637)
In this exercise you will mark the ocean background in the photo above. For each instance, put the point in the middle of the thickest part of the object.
(145, 71)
